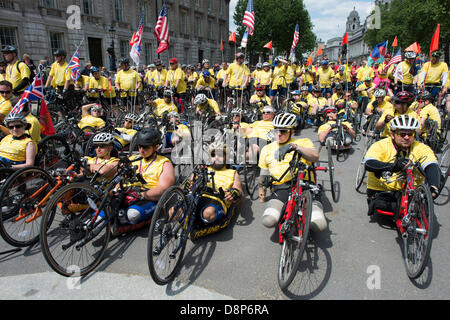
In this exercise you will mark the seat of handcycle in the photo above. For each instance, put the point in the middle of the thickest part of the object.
(385, 203)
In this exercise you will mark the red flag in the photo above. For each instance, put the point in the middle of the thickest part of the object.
(319, 51)
(309, 61)
(268, 45)
(413, 47)
(418, 48)
(232, 37)
(162, 30)
(395, 42)
(435, 41)
(221, 45)
(345, 40)
(47, 128)
(163, 46)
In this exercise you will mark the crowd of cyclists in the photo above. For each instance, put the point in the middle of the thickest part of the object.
(150, 117)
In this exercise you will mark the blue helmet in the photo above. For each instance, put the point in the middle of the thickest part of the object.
(206, 73)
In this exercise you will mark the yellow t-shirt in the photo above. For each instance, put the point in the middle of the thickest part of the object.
(434, 72)
(128, 80)
(256, 99)
(158, 78)
(324, 127)
(14, 149)
(385, 151)
(35, 130)
(211, 104)
(220, 74)
(260, 129)
(325, 76)
(173, 76)
(277, 168)
(91, 121)
(291, 72)
(365, 72)
(279, 77)
(101, 83)
(193, 78)
(201, 82)
(394, 113)
(407, 77)
(150, 169)
(383, 106)
(5, 106)
(60, 74)
(308, 77)
(14, 76)
(222, 179)
(130, 132)
(162, 106)
(264, 77)
(431, 112)
(236, 74)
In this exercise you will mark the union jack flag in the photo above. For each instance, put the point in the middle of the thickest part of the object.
(33, 93)
(136, 41)
(162, 30)
(74, 66)
(249, 17)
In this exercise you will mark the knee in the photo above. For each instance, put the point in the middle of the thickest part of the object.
(272, 213)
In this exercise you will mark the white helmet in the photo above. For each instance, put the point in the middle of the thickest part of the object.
(131, 116)
(285, 121)
(173, 114)
(379, 93)
(103, 138)
(200, 99)
(404, 122)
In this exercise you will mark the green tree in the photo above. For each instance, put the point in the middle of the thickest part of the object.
(412, 21)
(276, 20)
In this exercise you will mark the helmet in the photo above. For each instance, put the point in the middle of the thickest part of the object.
(297, 92)
(266, 64)
(327, 109)
(304, 88)
(436, 54)
(426, 95)
(239, 55)
(200, 99)
(285, 121)
(94, 69)
(167, 93)
(173, 114)
(96, 107)
(404, 96)
(11, 117)
(205, 61)
(131, 116)
(410, 55)
(60, 52)
(260, 87)
(124, 61)
(206, 73)
(148, 137)
(103, 138)
(258, 65)
(379, 93)
(404, 122)
(324, 62)
(9, 49)
(236, 111)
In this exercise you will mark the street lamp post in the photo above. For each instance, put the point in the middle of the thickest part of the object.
(111, 51)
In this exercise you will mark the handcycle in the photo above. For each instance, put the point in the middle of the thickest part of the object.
(72, 238)
(25, 194)
(414, 219)
(175, 220)
(295, 221)
(444, 165)
(339, 131)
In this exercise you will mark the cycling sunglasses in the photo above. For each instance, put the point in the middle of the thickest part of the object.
(282, 131)
(5, 92)
(17, 126)
(404, 134)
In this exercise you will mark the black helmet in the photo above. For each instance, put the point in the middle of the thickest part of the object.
(148, 137)
(60, 52)
(426, 95)
(124, 61)
(9, 49)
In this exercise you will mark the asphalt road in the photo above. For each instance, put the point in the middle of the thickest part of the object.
(355, 258)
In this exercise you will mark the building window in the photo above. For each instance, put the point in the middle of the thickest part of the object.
(56, 41)
(88, 7)
(197, 4)
(210, 30)
(50, 4)
(118, 10)
(186, 57)
(123, 48)
(198, 25)
(148, 53)
(7, 4)
(220, 7)
(210, 6)
(183, 23)
(143, 9)
(8, 36)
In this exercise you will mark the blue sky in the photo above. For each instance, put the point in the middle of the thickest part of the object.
(328, 16)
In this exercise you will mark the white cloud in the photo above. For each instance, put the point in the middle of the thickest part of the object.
(232, 26)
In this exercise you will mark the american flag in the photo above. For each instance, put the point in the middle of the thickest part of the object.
(162, 30)
(74, 65)
(395, 59)
(33, 93)
(136, 41)
(294, 43)
(249, 17)
(244, 39)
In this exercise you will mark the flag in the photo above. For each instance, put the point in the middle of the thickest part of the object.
(319, 51)
(395, 59)
(296, 37)
(221, 45)
(244, 39)
(74, 66)
(162, 30)
(47, 128)
(418, 49)
(136, 41)
(268, 45)
(249, 17)
(395, 42)
(379, 50)
(413, 47)
(398, 73)
(232, 37)
(435, 41)
(345, 40)
(33, 93)
(309, 62)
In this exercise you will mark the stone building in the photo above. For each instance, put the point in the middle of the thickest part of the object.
(39, 27)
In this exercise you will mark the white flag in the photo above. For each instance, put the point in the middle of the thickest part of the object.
(398, 73)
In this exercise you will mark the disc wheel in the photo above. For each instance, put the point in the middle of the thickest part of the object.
(167, 236)
(417, 244)
(295, 231)
(71, 242)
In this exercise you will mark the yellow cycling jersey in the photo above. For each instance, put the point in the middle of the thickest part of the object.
(162, 106)
(158, 78)
(193, 78)
(277, 168)
(222, 179)
(210, 104)
(365, 72)
(325, 76)
(385, 151)
(291, 72)
(432, 113)
(35, 129)
(257, 99)
(260, 129)
(220, 74)
(394, 113)
(103, 84)
(5, 106)
(407, 77)
(176, 75)
(129, 132)
(324, 127)
(385, 105)
(201, 82)
(433, 72)
(60, 74)
(91, 121)
(16, 72)
(14, 149)
(279, 77)
(100, 161)
(236, 74)
(150, 169)
(128, 80)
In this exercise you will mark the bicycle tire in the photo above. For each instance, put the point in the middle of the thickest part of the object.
(25, 188)
(444, 165)
(294, 243)
(422, 228)
(331, 172)
(64, 241)
(167, 236)
(360, 175)
(251, 173)
(51, 151)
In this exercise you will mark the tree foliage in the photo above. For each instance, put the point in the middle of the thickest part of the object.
(276, 20)
(413, 21)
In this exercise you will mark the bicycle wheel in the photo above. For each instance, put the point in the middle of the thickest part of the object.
(419, 231)
(251, 173)
(51, 152)
(19, 213)
(360, 175)
(331, 172)
(69, 246)
(167, 236)
(444, 165)
(295, 232)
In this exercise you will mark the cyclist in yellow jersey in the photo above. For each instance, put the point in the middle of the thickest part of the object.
(175, 79)
(255, 74)
(364, 72)
(300, 103)
(401, 101)
(98, 82)
(315, 101)
(325, 76)
(308, 77)
(394, 154)
(279, 84)
(427, 111)
(59, 76)
(7, 99)
(127, 79)
(260, 98)
(34, 128)
(205, 106)
(380, 104)
(238, 75)
(221, 74)
(409, 73)
(103, 162)
(327, 131)
(206, 84)
(272, 166)
(17, 72)
(126, 132)
(191, 76)
(3, 65)
(265, 76)
(436, 73)
(158, 77)
(164, 105)
(91, 116)
(293, 71)
(17, 149)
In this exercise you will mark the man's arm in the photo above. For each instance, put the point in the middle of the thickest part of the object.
(166, 180)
